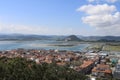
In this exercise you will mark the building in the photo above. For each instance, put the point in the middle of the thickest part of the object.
(86, 67)
(116, 73)
(102, 70)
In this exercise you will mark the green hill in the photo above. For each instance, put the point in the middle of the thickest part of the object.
(72, 38)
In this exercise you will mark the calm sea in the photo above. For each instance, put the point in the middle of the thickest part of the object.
(42, 44)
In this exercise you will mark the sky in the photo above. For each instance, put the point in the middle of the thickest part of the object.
(60, 17)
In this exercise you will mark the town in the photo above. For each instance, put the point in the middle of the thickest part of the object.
(93, 64)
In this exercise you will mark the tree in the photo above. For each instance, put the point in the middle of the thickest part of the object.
(22, 69)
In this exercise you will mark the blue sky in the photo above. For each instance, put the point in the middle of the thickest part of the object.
(59, 17)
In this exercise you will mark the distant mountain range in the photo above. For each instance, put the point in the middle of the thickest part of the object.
(55, 37)
(24, 37)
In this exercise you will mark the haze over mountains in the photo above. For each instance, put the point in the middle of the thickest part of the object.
(57, 37)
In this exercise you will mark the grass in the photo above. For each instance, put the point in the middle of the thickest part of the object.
(111, 48)
(95, 47)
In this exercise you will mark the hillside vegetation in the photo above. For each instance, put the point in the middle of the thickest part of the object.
(21, 69)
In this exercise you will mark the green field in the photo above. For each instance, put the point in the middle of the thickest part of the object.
(111, 48)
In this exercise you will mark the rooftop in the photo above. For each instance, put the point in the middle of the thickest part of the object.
(102, 68)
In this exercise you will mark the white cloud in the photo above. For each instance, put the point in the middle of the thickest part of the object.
(25, 29)
(104, 18)
(91, 0)
(100, 1)
(111, 1)
(97, 9)
(10, 28)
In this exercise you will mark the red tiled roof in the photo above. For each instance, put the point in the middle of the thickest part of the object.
(102, 68)
(86, 64)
